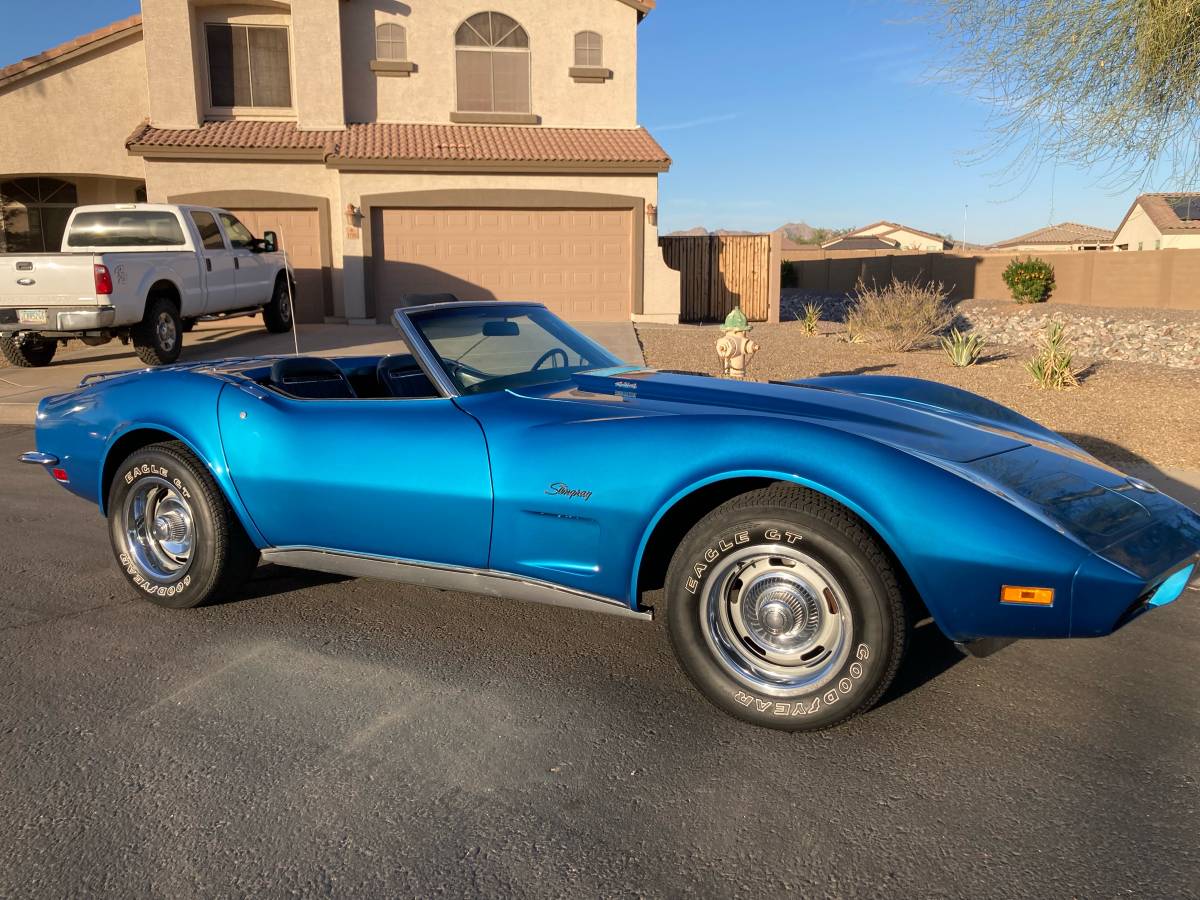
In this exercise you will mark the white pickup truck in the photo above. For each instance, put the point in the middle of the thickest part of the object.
(141, 273)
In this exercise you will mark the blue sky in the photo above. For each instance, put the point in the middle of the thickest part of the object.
(785, 110)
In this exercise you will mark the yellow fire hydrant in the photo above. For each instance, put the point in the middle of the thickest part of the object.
(735, 348)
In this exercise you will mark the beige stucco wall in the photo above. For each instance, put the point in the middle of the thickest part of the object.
(429, 94)
(75, 117)
(317, 80)
(1139, 229)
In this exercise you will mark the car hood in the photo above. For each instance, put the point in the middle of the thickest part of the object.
(924, 417)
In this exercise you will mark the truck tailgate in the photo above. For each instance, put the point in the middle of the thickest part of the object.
(40, 280)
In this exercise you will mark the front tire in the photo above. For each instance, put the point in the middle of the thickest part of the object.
(785, 611)
(174, 536)
(158, 338)
(27, 351)
(277, 315)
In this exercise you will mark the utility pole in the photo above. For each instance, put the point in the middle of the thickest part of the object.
(966, 206)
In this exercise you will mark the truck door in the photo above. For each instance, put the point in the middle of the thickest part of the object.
(255, 271)
(216, 261)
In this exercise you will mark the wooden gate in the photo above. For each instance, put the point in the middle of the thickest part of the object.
(721, 271)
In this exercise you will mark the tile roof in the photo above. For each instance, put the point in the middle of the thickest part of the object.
(1162, 210)
(1062, 233)
(896, 227)
(70, 47)
(861, 242)
(383, 143)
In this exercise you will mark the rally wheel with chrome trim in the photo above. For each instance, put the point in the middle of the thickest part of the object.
(785, 611)
(175, 538)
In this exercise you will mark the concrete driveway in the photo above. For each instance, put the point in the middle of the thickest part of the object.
(21, 389)
(353, 738)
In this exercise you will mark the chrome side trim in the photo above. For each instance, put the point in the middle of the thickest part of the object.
(37, 458)
(488, 582)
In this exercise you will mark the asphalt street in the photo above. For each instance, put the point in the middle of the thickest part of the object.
(328, 736)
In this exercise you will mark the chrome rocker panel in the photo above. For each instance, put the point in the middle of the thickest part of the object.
(488, 582)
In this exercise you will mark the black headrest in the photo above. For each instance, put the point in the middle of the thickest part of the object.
(310, 378)
(402, 376)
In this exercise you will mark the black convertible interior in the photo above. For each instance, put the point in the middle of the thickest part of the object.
(397, 376)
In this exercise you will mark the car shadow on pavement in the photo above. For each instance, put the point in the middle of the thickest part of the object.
(271, 580)
(930, 655)
(1133, 464)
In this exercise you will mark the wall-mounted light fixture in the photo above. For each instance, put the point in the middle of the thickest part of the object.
(652, 214)
(353, 215)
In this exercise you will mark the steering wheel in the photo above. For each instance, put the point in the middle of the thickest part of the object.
(549, 355)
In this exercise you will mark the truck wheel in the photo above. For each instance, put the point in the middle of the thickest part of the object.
(176, 539)
(27, 351)
(157, 339)
(277, 315)
(785, 611)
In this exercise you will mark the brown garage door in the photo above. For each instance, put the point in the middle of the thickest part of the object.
(299, 232)
(578, 262)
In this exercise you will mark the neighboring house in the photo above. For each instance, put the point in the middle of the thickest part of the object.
(1064, 236)
(1161, 222)
(397, 148)
(862, 242)
(901, 236)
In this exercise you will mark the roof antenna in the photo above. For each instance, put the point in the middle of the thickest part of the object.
(287, 277)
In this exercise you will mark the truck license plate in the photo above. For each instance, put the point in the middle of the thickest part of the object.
(31, 316)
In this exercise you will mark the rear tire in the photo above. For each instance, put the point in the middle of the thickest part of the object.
(27, 351)
(785, 611)
(158, 338)
(176, 539)
(277, 315)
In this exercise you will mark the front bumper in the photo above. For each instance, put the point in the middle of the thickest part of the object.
(69, 319)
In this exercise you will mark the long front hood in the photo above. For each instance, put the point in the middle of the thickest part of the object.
(938, 431)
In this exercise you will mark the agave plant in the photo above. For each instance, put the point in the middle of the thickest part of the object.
(964, 349)
(1051, 366)
(811, 318)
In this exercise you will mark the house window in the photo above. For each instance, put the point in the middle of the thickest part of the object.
(34, 213)
(493, 65)
(248, 66)
(589, 48)
(391, 42)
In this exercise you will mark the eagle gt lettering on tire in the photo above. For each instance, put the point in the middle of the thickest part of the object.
(785, 611)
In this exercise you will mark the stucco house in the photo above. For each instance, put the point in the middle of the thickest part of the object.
(888, 235)
(1161, 222)
(1064, 236)
(397, 148)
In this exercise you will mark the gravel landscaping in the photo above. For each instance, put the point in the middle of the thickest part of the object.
(1124, 412)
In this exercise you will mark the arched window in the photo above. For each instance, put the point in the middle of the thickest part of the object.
(33, 214)
(391, 42)
(493, 65)
(589, 49)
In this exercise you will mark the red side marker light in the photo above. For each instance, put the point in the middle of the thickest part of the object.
(60, 475)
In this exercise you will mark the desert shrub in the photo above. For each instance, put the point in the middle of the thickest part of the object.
(964, 349)
(901, 315)
(1051, 366)
(810, 318)
(1029, 280)
(789, 277)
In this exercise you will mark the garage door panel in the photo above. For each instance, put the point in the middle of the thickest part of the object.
(577, 262)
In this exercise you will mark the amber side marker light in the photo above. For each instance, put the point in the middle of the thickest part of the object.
(1027, 596)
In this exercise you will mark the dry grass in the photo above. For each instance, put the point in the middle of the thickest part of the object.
(1123, 412)
(900, 315)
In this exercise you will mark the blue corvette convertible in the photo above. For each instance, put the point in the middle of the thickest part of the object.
(796, 530)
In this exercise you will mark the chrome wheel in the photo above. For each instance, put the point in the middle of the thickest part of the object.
(285, 306)
(164, 330)
(776, 620)
(158, 528)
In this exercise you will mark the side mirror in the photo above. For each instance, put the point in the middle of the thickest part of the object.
(501, 328)
(270, 241)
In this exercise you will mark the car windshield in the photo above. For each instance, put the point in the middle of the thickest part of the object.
(506, 345)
